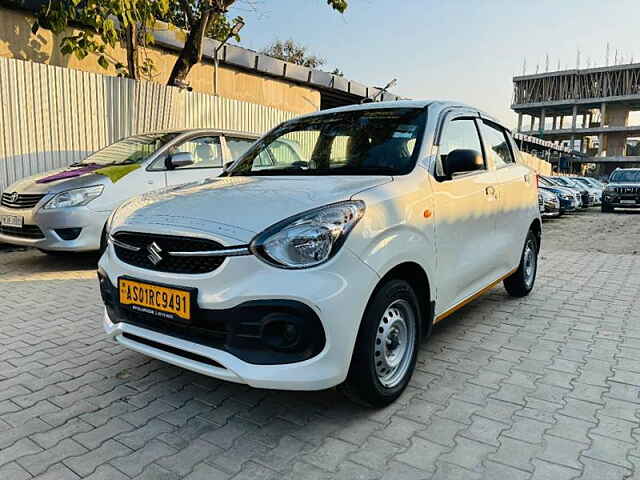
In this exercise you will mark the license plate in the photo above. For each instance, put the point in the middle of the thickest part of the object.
(11, 221)
(628, 202)
(164, 302)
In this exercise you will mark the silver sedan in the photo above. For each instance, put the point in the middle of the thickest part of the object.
(66, 210)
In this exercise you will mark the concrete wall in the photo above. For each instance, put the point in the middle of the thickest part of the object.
(17, 41)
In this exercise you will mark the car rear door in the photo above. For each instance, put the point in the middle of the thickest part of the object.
(465, 216)
(514, 186)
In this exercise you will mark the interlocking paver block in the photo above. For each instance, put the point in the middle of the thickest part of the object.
(330, 454)
(562, 451)
(39, 462)
(422, 454)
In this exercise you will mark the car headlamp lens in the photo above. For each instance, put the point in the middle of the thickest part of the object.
(75, 198)
(310, 238)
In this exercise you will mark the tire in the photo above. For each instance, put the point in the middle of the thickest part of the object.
(391, 321)
(520, 283)
(606, 208)
(103, 240)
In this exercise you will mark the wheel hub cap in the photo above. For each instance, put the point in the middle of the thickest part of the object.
(395, 343)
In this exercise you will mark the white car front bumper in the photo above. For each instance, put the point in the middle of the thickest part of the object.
(337, 292)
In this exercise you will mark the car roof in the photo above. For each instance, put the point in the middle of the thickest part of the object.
(436, 106)
(183, 131)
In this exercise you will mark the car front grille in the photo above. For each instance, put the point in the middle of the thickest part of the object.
(27, 231)
(634, 190)
(142, 258)
(11, 200)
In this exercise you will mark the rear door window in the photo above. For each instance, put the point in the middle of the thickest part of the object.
(497, 144)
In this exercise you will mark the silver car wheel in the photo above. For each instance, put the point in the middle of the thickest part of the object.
(395, 343)
(529, 262)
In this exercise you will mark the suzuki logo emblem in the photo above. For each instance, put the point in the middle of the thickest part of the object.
(154, 253)
(13, 198)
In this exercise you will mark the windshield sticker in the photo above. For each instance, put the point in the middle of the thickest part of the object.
(74, 172)
(117, 172)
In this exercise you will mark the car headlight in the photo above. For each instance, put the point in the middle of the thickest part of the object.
(310, 238)
(75, 198)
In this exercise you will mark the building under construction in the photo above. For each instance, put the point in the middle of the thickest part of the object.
(594, 111)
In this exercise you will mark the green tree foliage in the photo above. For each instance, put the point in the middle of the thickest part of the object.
(290, 51)
(104, 23)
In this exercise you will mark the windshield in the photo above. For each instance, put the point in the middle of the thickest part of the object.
(548, 182)
(363, 142)
(128, 151)
(625, 176)
(565, 181)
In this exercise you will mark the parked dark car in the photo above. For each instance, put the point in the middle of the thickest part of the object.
(623, 190)
(588, 200)
(569, 199)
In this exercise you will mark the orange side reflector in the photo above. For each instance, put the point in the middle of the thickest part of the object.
(427, 214)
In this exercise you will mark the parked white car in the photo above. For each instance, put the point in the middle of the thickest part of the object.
(66, 210)
(332, 262)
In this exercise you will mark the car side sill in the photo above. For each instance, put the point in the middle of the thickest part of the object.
(467, 300)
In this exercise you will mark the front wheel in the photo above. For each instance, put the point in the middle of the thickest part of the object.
(520, 283)
(387, 345)
(606, 208)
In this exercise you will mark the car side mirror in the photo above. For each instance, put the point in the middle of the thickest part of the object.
(462, 161)
(179, 159)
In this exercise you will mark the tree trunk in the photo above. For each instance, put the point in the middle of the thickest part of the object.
(191, 54)
(131, 42)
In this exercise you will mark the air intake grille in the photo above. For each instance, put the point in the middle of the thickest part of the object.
(634, 190)
(12, 200)
(166, 244)
(27, 231)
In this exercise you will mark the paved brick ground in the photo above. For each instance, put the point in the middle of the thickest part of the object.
(541, 388)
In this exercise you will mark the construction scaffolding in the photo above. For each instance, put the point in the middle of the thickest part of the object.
(586, 110)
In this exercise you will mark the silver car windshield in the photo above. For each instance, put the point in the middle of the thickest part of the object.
(360, 142)
(131, 150)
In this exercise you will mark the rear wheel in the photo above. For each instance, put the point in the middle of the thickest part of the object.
(387, 345)
(520, 283)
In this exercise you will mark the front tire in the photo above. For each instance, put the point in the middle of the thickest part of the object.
(606, 208)
(386, 348)
(520, 283)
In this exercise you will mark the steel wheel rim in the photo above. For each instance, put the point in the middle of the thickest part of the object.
(395, 343)
(529, 263)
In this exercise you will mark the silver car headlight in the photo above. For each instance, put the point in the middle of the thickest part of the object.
(74, 198)
(310, 238)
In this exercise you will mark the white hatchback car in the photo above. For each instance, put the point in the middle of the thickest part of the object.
(306, 266)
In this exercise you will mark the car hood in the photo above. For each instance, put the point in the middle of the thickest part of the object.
(59, 180)
(235, 207)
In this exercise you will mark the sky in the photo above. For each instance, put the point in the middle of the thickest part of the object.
(465, 50)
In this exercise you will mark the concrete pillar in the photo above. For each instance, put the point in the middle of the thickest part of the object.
(542, 121)
(519, 122)
(600, 144)
(573, 127)
(560, 122)
(553, 126)
(603, 114)
(532, 125)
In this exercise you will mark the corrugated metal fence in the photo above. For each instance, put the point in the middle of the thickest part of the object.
(53, 116)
